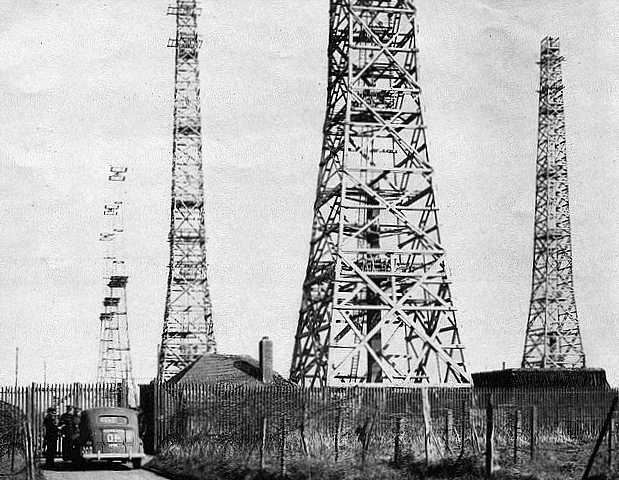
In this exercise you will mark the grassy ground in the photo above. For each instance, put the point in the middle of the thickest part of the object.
(13, 458)
(558, 461)
(557, 456)
(314, 469)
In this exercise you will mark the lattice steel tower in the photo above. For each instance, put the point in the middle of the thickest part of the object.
(376, 304)
(114, 351)
(188, 323)
(553, 335)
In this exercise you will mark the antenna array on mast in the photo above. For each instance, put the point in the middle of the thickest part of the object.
(114, 350)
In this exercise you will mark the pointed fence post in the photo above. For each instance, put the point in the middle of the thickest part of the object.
(533, 430)
(283, 449)
(598, 443)
(263, 438)
(30, 452)
(155, 425)
(303, 442)
(463, 429)
(489, 435)
(13, 440)
(516, 415)
(449, 425)
(337, 434)
(427, 425)
(397, 454)
(124, 393)
(611, 431)
(26, 445)
(32, 418)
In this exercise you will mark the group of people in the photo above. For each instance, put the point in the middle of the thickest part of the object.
(66, 427)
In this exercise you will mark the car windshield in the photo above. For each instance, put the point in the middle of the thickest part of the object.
(115, 419)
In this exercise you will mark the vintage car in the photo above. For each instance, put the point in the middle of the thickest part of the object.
(109, 433)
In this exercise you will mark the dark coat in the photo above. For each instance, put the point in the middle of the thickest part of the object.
(50, 422)
(67, 424)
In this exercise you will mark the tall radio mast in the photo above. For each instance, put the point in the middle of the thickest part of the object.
(114, 350)
(553, 334)
(377, 306)
(188, 322)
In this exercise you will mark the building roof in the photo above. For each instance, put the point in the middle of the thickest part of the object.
(542, 378)
(231, 369)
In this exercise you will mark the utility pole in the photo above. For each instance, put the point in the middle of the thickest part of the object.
(16, 364)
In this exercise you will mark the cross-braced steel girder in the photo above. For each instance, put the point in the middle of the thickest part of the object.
(553, 334)
(188, 322)
(376, 304)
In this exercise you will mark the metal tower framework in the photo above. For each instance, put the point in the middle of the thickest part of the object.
(114, 350)
(553, 335)
(376, 304)
(188, 323)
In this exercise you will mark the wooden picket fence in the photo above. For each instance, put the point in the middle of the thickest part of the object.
(34, 400)
(237, 414)
(262, 418)
(17, 456)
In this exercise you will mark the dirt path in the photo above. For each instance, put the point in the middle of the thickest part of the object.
(102, 471)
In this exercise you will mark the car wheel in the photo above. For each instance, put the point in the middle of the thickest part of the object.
(137, 463)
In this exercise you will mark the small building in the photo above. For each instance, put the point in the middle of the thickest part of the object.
(225, 397)
(535, 378)
(213, 368)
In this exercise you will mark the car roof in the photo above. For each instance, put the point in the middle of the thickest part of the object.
(108, 411)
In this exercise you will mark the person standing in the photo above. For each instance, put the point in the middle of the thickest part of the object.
(50, 422)
(75, 437)
(67, 427)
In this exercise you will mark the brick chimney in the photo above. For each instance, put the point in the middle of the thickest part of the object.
(266, 360)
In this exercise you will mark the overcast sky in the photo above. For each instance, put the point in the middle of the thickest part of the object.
(89, 83)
